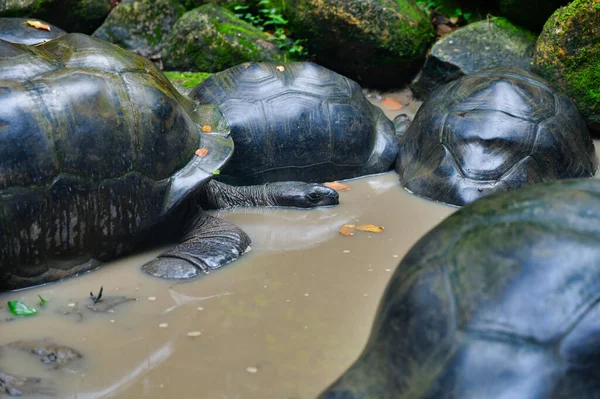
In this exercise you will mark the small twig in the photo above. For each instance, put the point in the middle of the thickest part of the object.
(97, 299)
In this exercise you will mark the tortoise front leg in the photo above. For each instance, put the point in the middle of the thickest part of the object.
(210, 244)
(217, 195)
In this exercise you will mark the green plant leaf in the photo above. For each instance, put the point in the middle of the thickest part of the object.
(42, 301)
(18, 308)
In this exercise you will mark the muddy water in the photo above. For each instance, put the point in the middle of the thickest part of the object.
(281, 322)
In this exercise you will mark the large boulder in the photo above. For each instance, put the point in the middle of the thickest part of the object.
(211, 39)
(141, 26)
(531, 13)
(568, 55)
(480, 45)
(379, 43)
(71, 15)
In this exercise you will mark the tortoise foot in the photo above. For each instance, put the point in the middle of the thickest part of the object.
(170, 268)
(211, 244)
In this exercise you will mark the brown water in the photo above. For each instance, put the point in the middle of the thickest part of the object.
(281, 322)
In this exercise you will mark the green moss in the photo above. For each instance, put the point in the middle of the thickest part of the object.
(187, 79)
(583, 86)
(516, 30)
(230, 29)
(379, 43)
(568, 55)
(211, 38)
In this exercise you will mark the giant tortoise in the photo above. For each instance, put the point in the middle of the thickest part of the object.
(298, 121)
(99, 154)
(489, 131)
(500, 300)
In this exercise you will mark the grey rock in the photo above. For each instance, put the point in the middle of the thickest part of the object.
(480, 45)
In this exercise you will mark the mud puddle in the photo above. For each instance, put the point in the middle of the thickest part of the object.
(281, 322)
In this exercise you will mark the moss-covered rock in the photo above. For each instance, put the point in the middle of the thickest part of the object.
(31, 8)
(141, 26)
(568, 55)
(531, 13)
(379, 43)
(211, 38)
(71, 15)
(480, 45)
(186, 81)
(229, 4)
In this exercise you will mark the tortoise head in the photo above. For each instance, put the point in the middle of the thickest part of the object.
(401, 124)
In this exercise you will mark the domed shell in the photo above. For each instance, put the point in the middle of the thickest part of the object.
(298, 121)
(500, 300)
(491, 131)
(81, 106)
(96, 147)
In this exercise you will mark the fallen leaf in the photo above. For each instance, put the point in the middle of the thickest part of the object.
(202, 152)
(216, 172)
(370, 227)
(206, 128)
(392, 105)
(347, 230)
(18, 308)
(38, 25)
(280, 68)
(337, 186)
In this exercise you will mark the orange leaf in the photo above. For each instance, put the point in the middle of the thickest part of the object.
(206, 128)
(337, 186)
(392, 105)
(280, 68)
(370, 227)
(38, 25)
(202, 152)
(347, 230)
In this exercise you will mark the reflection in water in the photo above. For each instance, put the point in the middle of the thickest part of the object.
(281, 322)
(154, 359)
(181, 299)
